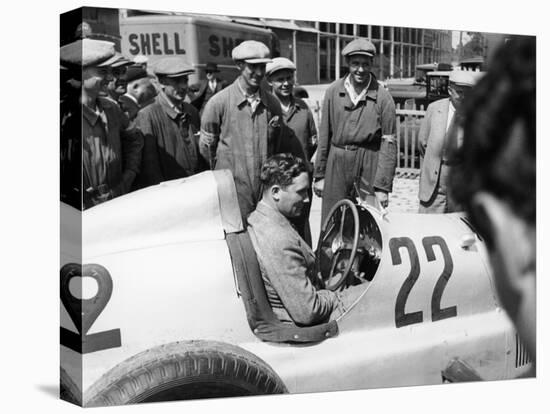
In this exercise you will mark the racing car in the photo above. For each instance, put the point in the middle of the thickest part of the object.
(162, 299)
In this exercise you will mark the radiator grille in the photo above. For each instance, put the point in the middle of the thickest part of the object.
(522, 356)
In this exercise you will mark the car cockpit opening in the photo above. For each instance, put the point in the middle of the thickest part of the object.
(349, 247)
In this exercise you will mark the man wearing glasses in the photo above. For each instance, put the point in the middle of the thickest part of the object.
(357, 132)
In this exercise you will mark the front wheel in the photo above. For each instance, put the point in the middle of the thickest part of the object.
(186, 370)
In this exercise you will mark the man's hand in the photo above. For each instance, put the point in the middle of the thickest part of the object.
(382, 197)
(318, 187)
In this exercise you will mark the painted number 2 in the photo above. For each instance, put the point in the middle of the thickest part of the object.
(401, 317)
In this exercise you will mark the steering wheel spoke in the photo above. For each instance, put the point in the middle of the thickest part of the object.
(336, 251)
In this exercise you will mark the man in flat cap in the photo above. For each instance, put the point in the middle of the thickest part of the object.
(139, 91)
(99, 154)
(357, 133)
(117, 85)
(438, 139)
(170, 127)
(297, 116)
(207, 88)
(241, 125)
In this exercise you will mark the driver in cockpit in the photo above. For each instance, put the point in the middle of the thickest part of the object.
(286, 261)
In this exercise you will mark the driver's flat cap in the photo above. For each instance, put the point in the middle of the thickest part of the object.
(359, 46)
(173, 67)
(251, 51)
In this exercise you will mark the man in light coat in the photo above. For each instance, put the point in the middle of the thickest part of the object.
(439, 138)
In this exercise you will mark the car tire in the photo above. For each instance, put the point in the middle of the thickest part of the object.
(185, 370)
(68, 390)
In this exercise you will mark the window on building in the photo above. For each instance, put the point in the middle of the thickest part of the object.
(413, 36)
(406, 38)
(396, 69)
(327, 27)
(397, 34)
(376, 32)
(363, 30)
(387, 32)
(346, 29)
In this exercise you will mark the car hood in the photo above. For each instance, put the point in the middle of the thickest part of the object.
(187, 210)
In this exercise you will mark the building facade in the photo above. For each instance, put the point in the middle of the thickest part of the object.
(316, 47)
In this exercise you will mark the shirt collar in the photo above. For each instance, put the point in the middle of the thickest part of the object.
(132, 98)
(292, 107)
(372, 90)
(266, 210)
(260, 93)
(171, 110)
(91, 115)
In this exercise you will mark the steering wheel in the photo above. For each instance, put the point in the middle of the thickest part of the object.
(337, 245)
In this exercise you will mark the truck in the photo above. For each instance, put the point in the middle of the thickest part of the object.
(198, 39)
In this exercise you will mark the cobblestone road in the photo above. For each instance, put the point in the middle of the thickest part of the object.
(403, 199)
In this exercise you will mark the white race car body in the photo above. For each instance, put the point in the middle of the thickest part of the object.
(164, 248)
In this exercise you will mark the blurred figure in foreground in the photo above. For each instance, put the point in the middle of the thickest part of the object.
(496, 179)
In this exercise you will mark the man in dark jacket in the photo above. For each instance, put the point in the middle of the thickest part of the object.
(357, 132)
(207, 88)
(170, 128)
(140, 92)
(99, 155)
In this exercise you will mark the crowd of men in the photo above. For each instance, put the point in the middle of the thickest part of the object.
(123, 128)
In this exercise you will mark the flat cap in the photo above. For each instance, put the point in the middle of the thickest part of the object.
(251, 51)
(464, 77)
(173, 67)
(119, 60)
(87, 52)
(359, 46)
(140, 59)
(134, 73)
(279, 63)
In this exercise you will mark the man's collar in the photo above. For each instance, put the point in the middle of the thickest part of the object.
(132, 98)
(293, 105)
(261, 93)
(92, 115)
(171, 110)
(372, 90)
(267, 210)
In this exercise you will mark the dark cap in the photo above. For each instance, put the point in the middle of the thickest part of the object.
(87, 52)
(173, 67)
(211, 67)
(359, 46)
(251, 51)
(134, 73)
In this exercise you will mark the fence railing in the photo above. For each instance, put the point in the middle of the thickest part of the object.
(408, 127)
(409, 119)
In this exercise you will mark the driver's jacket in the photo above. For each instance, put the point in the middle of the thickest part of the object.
(287, 263)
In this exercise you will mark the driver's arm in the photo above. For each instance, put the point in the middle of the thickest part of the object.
(286, 269)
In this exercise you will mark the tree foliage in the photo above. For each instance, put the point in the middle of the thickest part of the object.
(475, 46)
